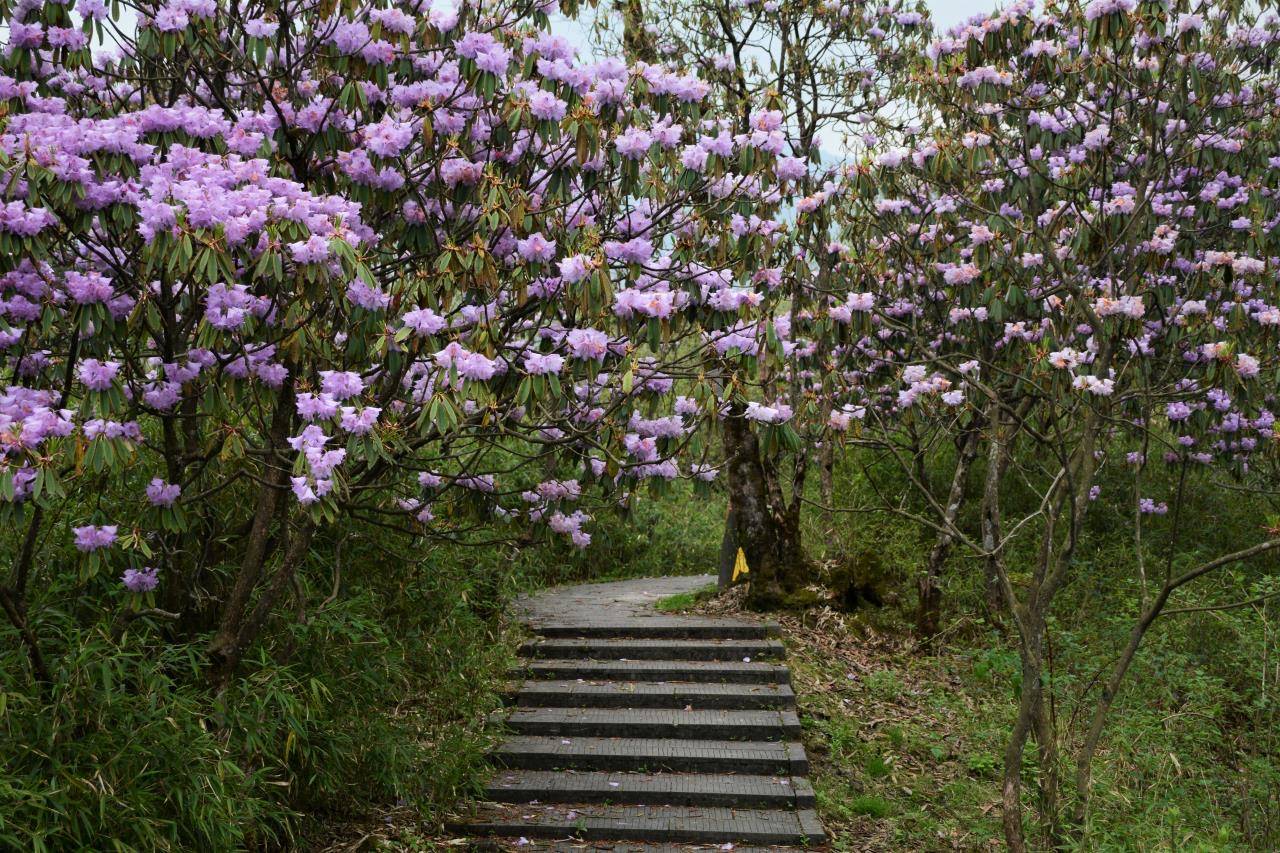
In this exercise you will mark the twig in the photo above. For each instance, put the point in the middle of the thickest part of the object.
(126, 617)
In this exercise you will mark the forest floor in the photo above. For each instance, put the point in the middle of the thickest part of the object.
(900, 760)
(892, 736)
(905, 747)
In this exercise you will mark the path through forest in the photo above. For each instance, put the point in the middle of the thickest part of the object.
(630, 729)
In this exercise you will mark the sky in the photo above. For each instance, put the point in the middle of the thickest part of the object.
(945, 14)
(948, 12)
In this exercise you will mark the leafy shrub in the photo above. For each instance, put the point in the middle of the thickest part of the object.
(340, 709)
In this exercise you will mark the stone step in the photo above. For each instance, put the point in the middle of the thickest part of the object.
(655, 723)
(604, 649)
(538, 752)
(649, 823)
(735, 672)
(673, 789)
(662, 629)
(633, 730)
(580, 693)
(529, 845)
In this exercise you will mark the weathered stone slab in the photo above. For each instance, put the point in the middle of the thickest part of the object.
(646, 823)
(642, 649)
(740, 791)
(672, 628)
(537, 752)
(581, 693)
(655, 723)
(753, 672)
(636, 730)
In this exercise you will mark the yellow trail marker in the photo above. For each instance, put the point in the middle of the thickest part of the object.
(740, 566)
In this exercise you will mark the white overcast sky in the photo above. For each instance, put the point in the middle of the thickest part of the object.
(946, 13)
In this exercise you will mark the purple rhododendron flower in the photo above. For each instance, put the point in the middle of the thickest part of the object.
(575, 268)
(537, 364)
(97, 375)
(424, 321)
(91, 538)
(140, 580)
(361, 421)
(341, 384)
(588, 344)
(535, 247)
(160, 493)
(546, 106)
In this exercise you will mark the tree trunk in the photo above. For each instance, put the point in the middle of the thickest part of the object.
(223, 650)
(997, 461)
(251, 626)
(637, 43)
(991, 595)
(826, 483)
(728, 551)
(766, 530)
(929, 585)
(1029, 700)
(1046, 734)
(1067, 500)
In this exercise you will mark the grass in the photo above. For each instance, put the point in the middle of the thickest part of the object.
(917, 767)
(686, 600)
(871, 806)
(892, 740)
(906, 749)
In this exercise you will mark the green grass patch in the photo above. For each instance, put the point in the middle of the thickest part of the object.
(686, 600)
(871, 806)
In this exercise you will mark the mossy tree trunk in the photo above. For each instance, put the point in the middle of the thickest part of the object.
(637, 42)
(763, 524)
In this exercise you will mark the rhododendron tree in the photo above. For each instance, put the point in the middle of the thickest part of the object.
(812, 83)
(1077, 270)
(286, 264)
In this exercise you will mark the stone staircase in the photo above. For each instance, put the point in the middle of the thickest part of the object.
(631, 729)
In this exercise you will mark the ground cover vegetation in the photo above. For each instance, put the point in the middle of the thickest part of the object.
(907, 746)
(327, 327)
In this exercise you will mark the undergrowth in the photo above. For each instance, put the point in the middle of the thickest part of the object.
(907, 748)
(341, 711)
(363, 715)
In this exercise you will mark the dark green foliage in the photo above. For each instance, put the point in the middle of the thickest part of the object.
(372, 687)
(378, 695)
(677, 534)
(123, 752)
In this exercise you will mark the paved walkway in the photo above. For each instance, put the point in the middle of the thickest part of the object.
(634, 730)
